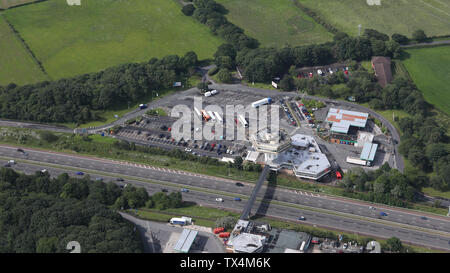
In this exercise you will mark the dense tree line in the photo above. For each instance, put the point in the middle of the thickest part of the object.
(385, 185)
(263, 64)
(79, 99)
(43, 214)
(212, 14)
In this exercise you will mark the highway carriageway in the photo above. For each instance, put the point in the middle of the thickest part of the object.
(271, 209)
(334, 205)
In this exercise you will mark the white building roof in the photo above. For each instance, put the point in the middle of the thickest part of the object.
(185, 241)
(252, 156)
(343, 119)
(247, 242)
(369, 151)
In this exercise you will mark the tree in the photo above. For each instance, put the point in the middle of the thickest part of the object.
(394, 244)
(401, 39)
(419, 35)
(188, 10)
(203, 86)
(224, 75)
(226, 222)
(287, 83)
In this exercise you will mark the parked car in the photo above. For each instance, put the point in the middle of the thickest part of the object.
(188, 150)
(164, 190)
(345, 246)
(79, 173)
(219, 200)
(119, 179)
(383, 214)
(239, 184)
(184, 190)
(237, 199)
(12, 162)
(302, 218)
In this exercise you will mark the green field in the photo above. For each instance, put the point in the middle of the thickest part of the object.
(392, 16)
(73, 40)
(4, 4)
(16, 63)
(275, 22)
(430, 70)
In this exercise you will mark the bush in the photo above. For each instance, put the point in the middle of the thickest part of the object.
(213, 71)
(226, 222)
(401, 39)
(419, 35)
(224, 76)
(188, 10)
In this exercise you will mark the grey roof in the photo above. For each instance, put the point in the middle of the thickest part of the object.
(185, 241)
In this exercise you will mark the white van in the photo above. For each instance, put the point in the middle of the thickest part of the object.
(208, 94)
(213, 92)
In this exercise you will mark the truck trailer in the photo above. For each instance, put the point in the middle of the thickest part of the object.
(258, 103)
(356, 161)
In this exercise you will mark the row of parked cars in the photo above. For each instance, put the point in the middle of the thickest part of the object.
(288, 114)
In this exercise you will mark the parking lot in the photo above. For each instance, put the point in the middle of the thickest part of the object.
(309, 72)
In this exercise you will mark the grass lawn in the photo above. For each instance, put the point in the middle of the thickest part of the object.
(202, 216)
(16, 63)
(433, 192)
(73, 40)
(430, 70)
(275, 22)
(392, 16)
(4, 4)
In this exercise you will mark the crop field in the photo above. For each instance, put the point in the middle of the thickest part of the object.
(430, 70)
(73, 40)
(275, 22)
(391, 16)
(16, 63)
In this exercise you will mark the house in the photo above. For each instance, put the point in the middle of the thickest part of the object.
(382, 68)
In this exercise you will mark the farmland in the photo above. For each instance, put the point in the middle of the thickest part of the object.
(430, 70)
(16, 63)
(73, 40)
(392, 16)
(275, 22)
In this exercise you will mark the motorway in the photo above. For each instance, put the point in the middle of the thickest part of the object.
(318, 209)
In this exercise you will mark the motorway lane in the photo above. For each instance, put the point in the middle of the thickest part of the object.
(334, 204)
(275, 210)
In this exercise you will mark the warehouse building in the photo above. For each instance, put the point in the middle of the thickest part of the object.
(345, 125)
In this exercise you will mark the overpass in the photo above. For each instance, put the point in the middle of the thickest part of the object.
(248, 207)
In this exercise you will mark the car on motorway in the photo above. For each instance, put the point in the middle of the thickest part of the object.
(12, 162)
(43, 171)
(302, 218)
(383, 214)
(119, 179)
(239, 184)
(79, 173)
(237, 199)
(99, 179)
(20, 150)
(424, 218)
(164, 190)
(184, 190)
(219, 200)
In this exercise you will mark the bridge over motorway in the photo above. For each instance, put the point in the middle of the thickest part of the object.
(248, 207)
